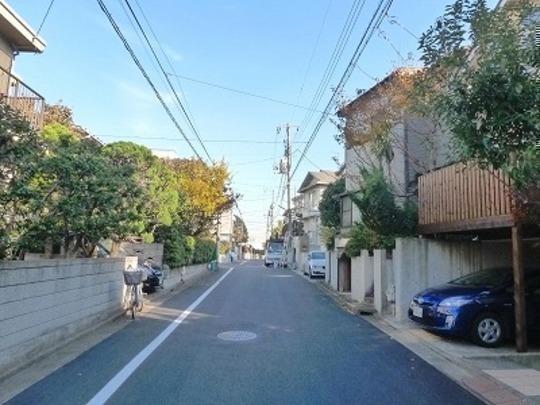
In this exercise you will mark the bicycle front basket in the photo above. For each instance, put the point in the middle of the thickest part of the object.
(133, 277)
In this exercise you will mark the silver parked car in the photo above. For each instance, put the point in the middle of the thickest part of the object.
(316, 264)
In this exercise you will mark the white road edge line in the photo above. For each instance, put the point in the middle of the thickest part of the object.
(116, 382)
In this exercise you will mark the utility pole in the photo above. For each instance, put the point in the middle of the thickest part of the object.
(288, 159)
(270, 219)
(285, 168)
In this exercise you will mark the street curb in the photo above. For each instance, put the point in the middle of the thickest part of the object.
(475, 381)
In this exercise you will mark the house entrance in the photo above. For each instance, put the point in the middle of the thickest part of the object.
(344, 273)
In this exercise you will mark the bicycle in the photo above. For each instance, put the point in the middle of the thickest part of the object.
(133, 296)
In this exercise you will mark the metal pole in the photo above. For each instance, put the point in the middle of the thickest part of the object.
(271, 216)
(217, 238)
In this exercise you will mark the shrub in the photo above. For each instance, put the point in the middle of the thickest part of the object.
(380, 213)
(382, 218)
(205, 251)
(363, 238)
(178, 248)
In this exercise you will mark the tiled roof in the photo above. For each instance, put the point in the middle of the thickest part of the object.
(322, 177)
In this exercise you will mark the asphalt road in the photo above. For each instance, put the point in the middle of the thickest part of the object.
(306, 351)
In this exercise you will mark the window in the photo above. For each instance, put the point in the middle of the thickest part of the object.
(346, 212)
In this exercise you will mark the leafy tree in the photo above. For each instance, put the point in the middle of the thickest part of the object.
(382, 218)
(20, 145)
(481, 81)
(378, 207)
(330, 209)
(362, 237)
(178, 248)
(205, 191)
(278, 230)
(329, 206)
(240, 232)
(20, 151)
(224, 247)
(61, 114)
(58, 114)
(159, 199)
(76, 195)
(328, 236)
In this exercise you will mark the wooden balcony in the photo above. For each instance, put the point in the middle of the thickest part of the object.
(15, 93)
(464, 197)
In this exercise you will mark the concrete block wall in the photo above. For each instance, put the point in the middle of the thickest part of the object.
(44, 303)
(184, 274)
(422, 263)
(383, 282)
(361, 276)
(356, 279)
(332, 265)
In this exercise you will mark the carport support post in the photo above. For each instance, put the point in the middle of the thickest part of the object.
(519, 289)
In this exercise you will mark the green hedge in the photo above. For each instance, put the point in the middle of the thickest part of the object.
(205, 251)
(182, 250)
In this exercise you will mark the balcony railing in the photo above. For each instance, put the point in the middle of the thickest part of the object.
(464, 197)
(20, 97)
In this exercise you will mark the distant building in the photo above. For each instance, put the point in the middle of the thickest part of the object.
(165, 153)
(307, 224)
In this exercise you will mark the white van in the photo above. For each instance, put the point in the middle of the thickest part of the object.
(274, 253)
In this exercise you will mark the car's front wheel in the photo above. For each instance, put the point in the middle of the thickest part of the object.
(488, 330)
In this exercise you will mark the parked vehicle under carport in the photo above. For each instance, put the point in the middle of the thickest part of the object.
(479, 306)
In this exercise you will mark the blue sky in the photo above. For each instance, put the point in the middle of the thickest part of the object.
(259, 47)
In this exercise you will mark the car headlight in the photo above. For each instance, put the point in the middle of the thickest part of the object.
(447, 305)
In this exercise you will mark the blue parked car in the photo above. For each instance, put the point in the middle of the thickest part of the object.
(479, 306)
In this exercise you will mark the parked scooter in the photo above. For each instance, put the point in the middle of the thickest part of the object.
(154, 276)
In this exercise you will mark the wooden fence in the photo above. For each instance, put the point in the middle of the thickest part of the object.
(464, 197)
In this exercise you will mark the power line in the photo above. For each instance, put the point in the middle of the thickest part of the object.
(243, 92)
(371, 77)
(383, 35)
(140, 38)
(188, 118)
(309, 160)
(312, 57)
(186, 110)
(45, 17)
(159, 138)
(374, 23)
(144, 73)
(337, 53)
(168, 60)
(250, 162)
(393, 20)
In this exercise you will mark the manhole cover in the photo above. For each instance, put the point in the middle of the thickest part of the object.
(237, 335)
